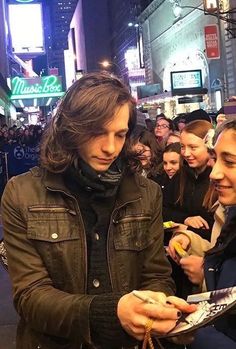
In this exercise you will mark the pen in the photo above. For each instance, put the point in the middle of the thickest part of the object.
(144, 298)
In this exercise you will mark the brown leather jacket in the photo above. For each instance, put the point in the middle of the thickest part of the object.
(46, 249)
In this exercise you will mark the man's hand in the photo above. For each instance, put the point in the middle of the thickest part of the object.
(193, 268)
(196, 222)
(134, 313)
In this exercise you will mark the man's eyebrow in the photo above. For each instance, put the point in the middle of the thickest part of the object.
(123, 130)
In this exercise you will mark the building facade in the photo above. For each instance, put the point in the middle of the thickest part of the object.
(178, 44)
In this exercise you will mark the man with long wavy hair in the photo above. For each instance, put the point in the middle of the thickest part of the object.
(82, 232)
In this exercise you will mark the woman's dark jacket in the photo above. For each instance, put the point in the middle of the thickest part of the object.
(194, 193)
(220, 272)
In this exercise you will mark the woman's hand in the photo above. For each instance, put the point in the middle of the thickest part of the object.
(134, 313)
(196, 222)
(193, 268)
(183, 240)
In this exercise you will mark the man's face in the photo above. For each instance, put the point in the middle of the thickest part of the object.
(100, 151)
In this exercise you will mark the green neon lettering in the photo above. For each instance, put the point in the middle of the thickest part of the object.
(49, 85)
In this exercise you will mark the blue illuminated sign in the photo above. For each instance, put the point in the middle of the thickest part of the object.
(24, 1)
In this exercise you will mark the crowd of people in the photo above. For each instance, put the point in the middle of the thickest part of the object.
(30, 135)
(88, 230)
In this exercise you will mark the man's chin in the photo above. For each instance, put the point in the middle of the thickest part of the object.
(101, 168)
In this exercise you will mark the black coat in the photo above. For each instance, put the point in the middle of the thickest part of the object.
(194, 193)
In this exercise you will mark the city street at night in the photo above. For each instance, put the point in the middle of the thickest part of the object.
(117, 174)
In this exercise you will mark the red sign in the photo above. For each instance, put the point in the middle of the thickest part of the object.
(53, 71)
(212, 41)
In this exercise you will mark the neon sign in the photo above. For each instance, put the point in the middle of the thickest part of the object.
(44, 86)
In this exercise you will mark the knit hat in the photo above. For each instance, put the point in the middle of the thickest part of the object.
(198, 114)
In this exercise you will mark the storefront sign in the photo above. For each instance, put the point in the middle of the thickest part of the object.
(44, 86)
(186, 82)
(212, 41)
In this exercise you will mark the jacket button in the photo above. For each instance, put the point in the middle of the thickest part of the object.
(96, 236)
(88, 188)
(54, 236)
(96, 283)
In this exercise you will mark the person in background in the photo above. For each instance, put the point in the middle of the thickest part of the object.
(220, 261)
(182, 203)
(171, 164)
(172, 159)
(220, 119)
(181, 124)
(83, 231)
(198, 114)
(174, 137)
(163, 128)
(145, 151)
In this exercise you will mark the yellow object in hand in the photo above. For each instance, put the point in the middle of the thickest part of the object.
(179, 250)
(168, 224)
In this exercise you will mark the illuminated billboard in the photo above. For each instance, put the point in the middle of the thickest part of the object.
(26, 27)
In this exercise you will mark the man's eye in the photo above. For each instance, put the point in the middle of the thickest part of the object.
(121, 135)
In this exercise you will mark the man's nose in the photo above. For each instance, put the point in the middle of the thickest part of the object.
(109, 145)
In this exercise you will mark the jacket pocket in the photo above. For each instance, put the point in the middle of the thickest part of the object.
(56, 235)
(132, 233)
(52, 224)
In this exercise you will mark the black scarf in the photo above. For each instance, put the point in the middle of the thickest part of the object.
(100, 185)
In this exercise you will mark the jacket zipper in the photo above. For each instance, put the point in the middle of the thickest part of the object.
(112, 220)
(83, 236)
(130, 218)
(51, 209)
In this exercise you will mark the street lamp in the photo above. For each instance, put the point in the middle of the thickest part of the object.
(212, 8)
(107, 64)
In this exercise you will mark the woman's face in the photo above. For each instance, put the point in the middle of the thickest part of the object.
(194, 151)
(144, 153)
(162, 128)
(171, 162)
(224, 171)
(173, 139)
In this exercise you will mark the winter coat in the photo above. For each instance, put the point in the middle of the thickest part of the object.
(194, 193)
(47, 256)
(219, 271)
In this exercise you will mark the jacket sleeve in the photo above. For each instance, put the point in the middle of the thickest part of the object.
(38, 302)
(198, 245)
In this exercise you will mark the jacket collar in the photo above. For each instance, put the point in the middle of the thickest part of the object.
(129, 189)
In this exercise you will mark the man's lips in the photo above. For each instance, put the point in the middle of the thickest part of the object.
(104, 160)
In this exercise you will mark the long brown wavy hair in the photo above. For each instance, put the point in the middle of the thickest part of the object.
(84, 110)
